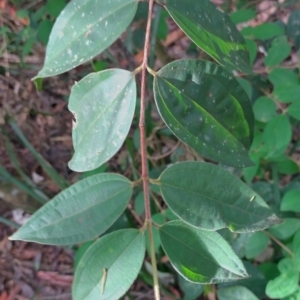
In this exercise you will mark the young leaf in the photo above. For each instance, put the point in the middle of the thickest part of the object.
(199, 255)
(83, 30)
(235, 293)
(207, 109)
(211, 30)
(190, 191)
(109, 266)
(79, 213)
(103, 105)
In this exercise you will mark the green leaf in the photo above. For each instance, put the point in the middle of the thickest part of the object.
(252, 48)
(211, 30)
(55, 7)
(287, 229)
(191, 290)
(278, 52)
(216, 262)
(293, 27)
(287, 166)
(44, 30)
(277, 135)
(257, 243)
(264, 109)
(294, 110)
(79, 213)
(81, 251)
(269, 270)
(283, 285)
(83, 30)
(139, 205)
(242, 16)
(263, 31)
(235, 293)
(109, 266)
(283, 77)
(189, 190)
(103, 105)
(296, 295)
(287, 93)
(291, 201)
(256, 281)
(207, 109)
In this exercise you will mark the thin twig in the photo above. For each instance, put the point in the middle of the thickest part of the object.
(291, 253)
(144, 150)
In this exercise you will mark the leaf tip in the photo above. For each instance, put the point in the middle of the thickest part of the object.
(38, 82)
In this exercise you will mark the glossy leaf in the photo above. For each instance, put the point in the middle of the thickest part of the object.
(79, 213)
(291, 201)
(83, 30)
(211, 30)
(216, 262)
(277, 135)
(190, 191)
(207, 109)
(264, 109)
(103, 105)
(278, 52)
(109, 266)
(235, 293)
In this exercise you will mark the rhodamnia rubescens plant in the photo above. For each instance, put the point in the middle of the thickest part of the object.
(203, 106)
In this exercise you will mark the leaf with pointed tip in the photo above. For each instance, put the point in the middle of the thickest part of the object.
(79, 213)
(199, 255)
(191, 192)
(211, 30)
(206, 108)
(83, 30)
(103, 105)
(109, 266)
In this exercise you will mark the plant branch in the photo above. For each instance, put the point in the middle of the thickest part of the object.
(145, 179)
(284, 247)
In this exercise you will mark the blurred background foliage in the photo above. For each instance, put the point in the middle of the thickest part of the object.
(35, 146)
